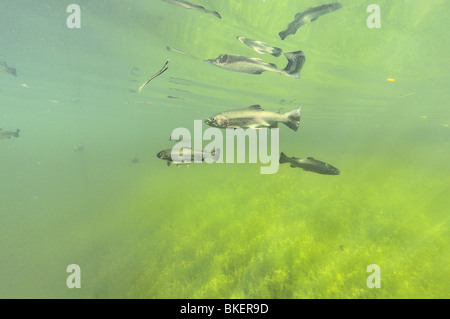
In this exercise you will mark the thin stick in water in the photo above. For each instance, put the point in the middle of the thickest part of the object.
(164, 68)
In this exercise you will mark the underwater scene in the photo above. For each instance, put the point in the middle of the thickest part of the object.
(346, 197)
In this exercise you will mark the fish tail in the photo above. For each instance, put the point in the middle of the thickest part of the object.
(276, 51)
(16, 133)
(283, 158)
(283, 34)
(295, 63)
(217, 14)
(293, 119)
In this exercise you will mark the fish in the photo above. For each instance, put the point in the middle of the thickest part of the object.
(5, 68)
(239, 63)
(310, 164)
(254, 117)
(309, 15)
(260, 46)
(7, 134)
(166, 155)
(192, 6)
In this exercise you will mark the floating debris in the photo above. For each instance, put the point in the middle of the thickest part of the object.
(135, 160)
(138, 102)
(390, 80)
(79, 148)
(182, 52)
(163, 69)
(408, 94)
(284, 102)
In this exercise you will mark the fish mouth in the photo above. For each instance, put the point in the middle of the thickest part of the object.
(160, 155)
(209, 121)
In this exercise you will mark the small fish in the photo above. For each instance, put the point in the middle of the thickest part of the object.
(260, 46)
(309, 15)
(192, 6)
(166, 155)
(310, 164)
(254, 117)
(7, 134)
(5, 68)
(239, 63)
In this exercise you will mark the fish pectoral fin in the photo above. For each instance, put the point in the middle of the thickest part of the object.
(259, 51)
(169, 163)
(292, 165)
(256, 107)
(314, 19)
(310, 157)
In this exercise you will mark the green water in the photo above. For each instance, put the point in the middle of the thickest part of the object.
(145, 230)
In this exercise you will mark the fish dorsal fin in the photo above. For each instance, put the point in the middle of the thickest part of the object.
(310, 157)
(256, 107)
(279, 110)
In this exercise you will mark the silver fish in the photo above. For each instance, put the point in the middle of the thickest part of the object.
(239, 63)
(254, 117)
(260, 46)
(166, 155)
(192, 6)
(7, 134)
(310, 164)
(309, 15)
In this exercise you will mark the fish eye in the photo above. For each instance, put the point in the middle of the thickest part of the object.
(223, 58)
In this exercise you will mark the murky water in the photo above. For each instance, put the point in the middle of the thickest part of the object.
(82, 184)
